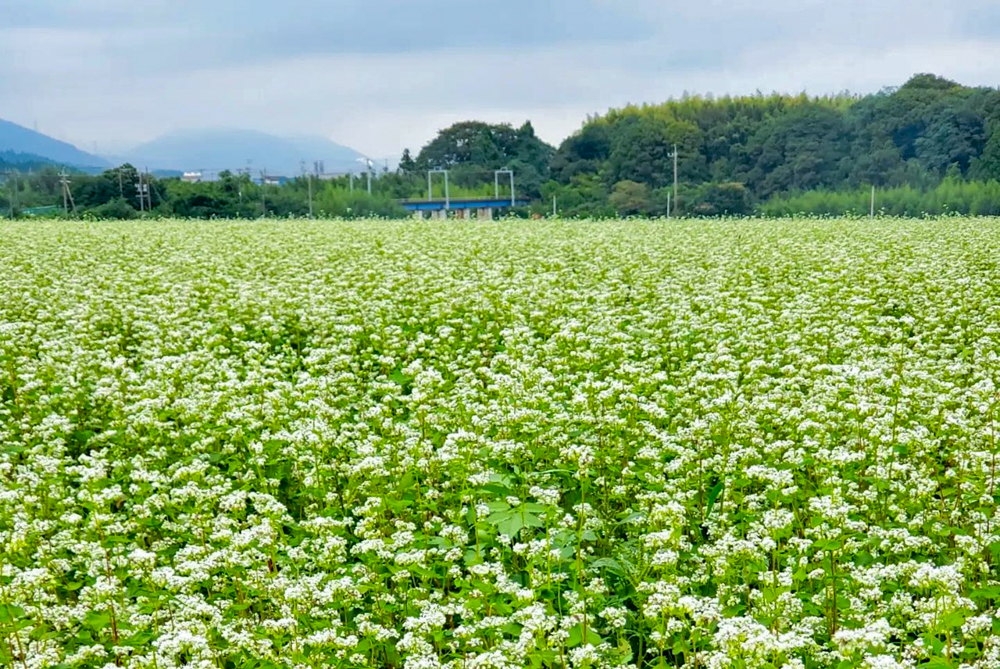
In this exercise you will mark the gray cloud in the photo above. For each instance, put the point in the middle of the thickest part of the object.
(385, 74)
(250, 30)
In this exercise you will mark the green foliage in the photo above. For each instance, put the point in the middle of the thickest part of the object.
(726, 199)
(120, 209)
(951, 196)
(472, 150)
(630, 199)
(584, 196)
(333, 201)
(22, 162)
(779, 145)
(486, 146)
(293, 444)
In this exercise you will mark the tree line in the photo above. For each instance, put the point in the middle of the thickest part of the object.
(930, 146)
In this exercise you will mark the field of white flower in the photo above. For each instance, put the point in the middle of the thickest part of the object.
(660, 444)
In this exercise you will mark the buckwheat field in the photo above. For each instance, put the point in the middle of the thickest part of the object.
(294, 444)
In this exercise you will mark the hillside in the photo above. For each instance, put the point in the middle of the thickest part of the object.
(737, 151)
(229, 149)
(23, 162)
(18, 139)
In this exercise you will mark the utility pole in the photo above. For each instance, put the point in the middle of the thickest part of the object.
(368, 166)
(668, 205)
(555, 212)
(15, 200)
(309, 184)
(62, 180)
(121, 184)
(142, 189)
(263, 193)
(872, 214)
(66, 193)
(352, 182)
(675, 156)
(12, 181)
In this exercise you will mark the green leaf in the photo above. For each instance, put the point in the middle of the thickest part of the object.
(531, 520)
(97, 620)
(713, 495)
(511, 525)
(498, 506)
(612, 565)
(988, 592)
(937, 663)
(10, 613)
(575, 636)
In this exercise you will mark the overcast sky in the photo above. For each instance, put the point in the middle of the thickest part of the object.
(381, 75)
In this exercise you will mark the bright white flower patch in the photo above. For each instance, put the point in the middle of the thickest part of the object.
(728, 444)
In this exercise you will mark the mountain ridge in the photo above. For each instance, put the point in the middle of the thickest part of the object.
(217, 149)
(18, 139)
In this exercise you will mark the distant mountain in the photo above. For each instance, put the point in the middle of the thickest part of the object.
(17, 139)
(214, 150)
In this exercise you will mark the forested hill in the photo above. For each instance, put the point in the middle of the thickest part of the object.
(23, 162)
(735, 152)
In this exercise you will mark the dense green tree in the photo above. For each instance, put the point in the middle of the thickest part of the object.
(473, 150)
(988, 166)
(775, 144)
(484, 146)
(583, 152)
(799, 150)
(584, 196)
(642, 148)
(630, 198)
(407, 165)
(732, 199)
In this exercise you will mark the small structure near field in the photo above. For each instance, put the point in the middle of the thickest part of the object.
(484, 208)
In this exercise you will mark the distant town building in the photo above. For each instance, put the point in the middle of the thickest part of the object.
(191, 177)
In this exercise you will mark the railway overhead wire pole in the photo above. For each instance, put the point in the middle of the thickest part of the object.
(447, 194)
(496, 184)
